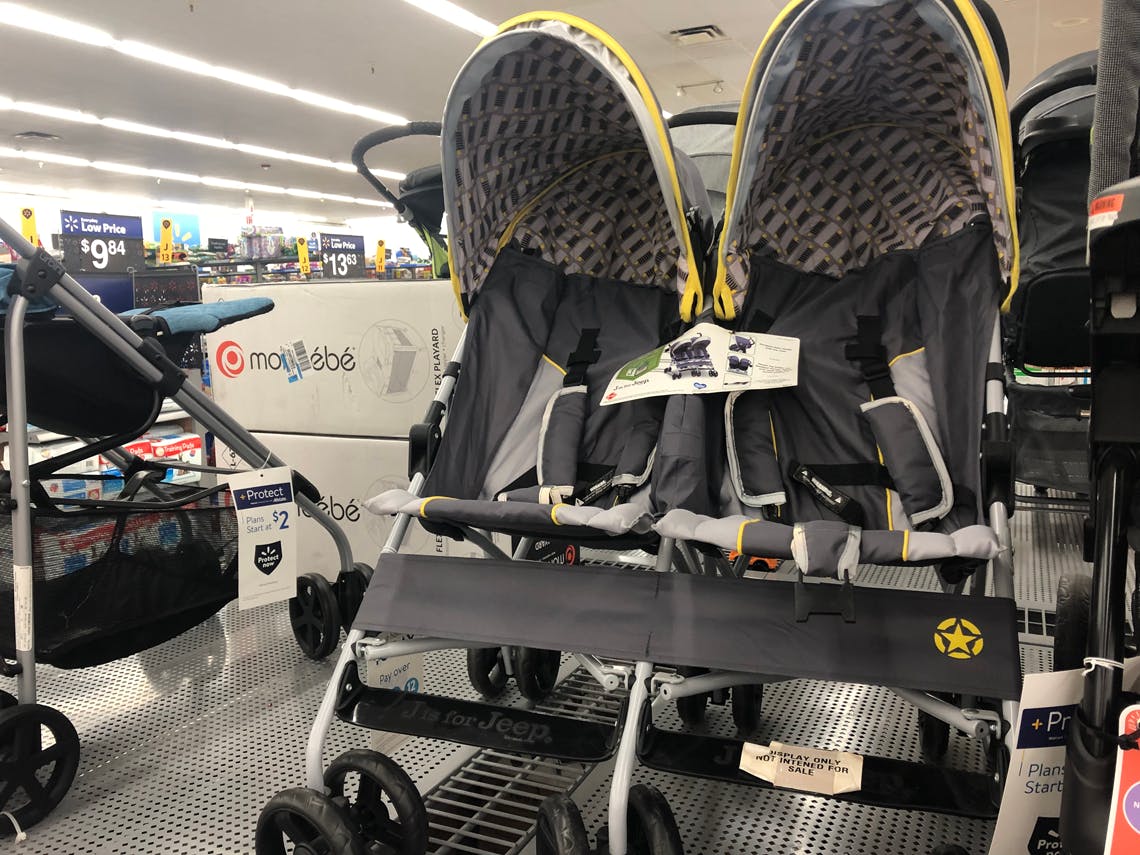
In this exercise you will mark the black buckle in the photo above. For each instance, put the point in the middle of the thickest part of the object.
(824, 599)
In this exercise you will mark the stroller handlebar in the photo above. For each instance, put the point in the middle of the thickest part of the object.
(1035, 93)
(701, 117)
(387, 135)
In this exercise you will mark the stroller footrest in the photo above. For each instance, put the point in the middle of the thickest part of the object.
(480, 725)
(886, 782)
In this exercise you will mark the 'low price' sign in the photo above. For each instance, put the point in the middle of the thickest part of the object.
(101, 243)
(342, 256)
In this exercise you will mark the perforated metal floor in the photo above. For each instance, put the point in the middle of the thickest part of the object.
(182, 746)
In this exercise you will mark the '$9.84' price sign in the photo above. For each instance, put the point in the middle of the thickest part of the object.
(101, 250)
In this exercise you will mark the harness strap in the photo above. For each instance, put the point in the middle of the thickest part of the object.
(867, 352)
(839, 503)
(584, 355)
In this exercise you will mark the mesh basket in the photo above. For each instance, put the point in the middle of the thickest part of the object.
(110, 583)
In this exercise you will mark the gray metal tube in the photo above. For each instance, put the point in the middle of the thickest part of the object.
(945, 712)
(22, 579)
(627, 751)
(995, 389)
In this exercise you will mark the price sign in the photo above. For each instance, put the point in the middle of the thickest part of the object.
(303, 256)
(101, 243)
(217, 245)
(342, 256)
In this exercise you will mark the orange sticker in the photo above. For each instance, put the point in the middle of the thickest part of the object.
(1107, 204)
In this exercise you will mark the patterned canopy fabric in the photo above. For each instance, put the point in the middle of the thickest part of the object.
(871, 130)
(545, 147)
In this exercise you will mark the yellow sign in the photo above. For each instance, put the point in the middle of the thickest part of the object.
(303, 256)
(381, 256)
(958, 638)
(28, 225)
(166, 242)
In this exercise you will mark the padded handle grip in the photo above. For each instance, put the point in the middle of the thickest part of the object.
(387, 135)
(306, 488)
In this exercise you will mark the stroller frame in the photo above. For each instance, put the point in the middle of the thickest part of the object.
(40, 275)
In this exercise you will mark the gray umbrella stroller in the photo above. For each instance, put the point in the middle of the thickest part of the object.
(96, 579)
(569, 231)
(870, 215)
(1046, 331)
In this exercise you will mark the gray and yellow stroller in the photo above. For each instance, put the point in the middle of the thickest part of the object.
(93, 578)
(570, 222)
(870, 214)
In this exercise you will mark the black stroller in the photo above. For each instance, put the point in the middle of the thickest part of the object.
(1046, 339)
(92, 580)
(420, 198)
(691, 357)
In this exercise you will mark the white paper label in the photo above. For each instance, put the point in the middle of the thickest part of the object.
(267, 536)
(810, 770)
(1031, 804)
(708, 359)
(25, 623)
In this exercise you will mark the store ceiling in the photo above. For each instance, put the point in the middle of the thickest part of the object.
(385, 54)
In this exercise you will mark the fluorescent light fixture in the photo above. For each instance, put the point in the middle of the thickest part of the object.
(68, 115)
(27, 18)
(457, 15)
(184, 177)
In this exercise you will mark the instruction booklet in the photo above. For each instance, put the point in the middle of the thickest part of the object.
(708, 359)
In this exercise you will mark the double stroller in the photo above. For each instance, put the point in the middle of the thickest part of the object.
(113, 564)
(869, 213)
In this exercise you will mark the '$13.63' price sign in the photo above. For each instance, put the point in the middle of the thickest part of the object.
(341, 265)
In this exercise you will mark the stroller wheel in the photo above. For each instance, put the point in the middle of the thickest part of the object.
(50, 770)
(560, 830)
(1074, 593)
(933, 737)
(305, 822)
(7, 700)
(314, 616)
(652, 828)
(487, 671)
(746, 701)
(380, 781)
(691, 709)
(536, 672)
(997, 765)
(350, 590)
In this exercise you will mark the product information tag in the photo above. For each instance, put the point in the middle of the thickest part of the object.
(1124, 822)
(809, 770)
(267, 536)
(1028, 820)
(708, 359)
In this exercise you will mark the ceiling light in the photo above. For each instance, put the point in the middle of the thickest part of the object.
(50, 111)
(718, 87)
(24, 17)
(680, 91)
(1067, 23)
(42, 157)
(457, 15)
(36, 136)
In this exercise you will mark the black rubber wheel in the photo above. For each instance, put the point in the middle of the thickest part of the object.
(1070, 641)
(314, 616)
(933, 737)
(378, 777)
(997, 766)
(652, 828)
(36, 772)
(746, 708)
(536, 672)
(691, 709)
(350, 588)
(309, 822)
(560, 830)
(487, 671)
(7, 700)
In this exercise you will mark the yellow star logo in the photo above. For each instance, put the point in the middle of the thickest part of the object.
(958, 638)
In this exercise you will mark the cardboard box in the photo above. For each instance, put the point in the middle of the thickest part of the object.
(347, 471)
(337, 358)
(38, 452)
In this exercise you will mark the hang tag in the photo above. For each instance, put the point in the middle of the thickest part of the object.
(267, 536)
(809, 770)
(1124, 822)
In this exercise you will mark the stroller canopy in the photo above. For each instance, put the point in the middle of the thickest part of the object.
(553, 141)
(867, 127)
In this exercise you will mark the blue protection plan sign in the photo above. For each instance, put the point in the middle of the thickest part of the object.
(100, 225)
(267, 535)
